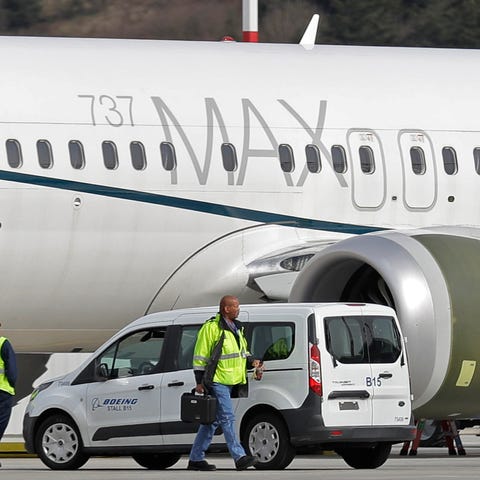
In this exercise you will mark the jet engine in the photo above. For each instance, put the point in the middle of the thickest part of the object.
(430, 277)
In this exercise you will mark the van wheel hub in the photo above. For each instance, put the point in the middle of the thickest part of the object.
(60, 442)
(264, 441)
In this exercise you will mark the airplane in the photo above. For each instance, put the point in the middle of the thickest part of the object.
(141, 175)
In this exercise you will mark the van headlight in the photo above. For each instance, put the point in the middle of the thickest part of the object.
(37, 390)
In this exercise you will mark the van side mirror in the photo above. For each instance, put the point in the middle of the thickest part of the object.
(102, 371)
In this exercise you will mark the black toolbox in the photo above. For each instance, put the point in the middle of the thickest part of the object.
(198, 408)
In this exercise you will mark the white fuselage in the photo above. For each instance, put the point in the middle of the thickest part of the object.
(84, 251)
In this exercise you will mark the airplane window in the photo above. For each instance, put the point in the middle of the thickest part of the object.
(449, 160)
(14, 153)
(110, 156)
(367, 159)
(476, 159)
(77, 155)
(229, 157)
(137, 153)
(417, 158)
(45, 156)
(314, 161)
(287, 162)
(169, 158)
(339, 159)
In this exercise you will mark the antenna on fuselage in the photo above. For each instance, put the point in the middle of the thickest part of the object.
(310, 35)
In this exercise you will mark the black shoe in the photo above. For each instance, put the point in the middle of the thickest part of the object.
(244, 462)
(202, 465)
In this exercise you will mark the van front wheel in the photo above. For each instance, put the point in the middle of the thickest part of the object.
(267, 439)
(59, 445)
(366, 457)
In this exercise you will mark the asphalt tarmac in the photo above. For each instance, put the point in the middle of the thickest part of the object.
(430, 463)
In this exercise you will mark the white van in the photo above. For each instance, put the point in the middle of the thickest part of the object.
(336, 377)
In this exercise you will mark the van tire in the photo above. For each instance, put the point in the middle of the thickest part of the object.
(59, 445)
(266, 438)
(156, 461)
(366, 457)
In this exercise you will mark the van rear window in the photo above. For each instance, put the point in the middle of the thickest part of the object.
(362, 339)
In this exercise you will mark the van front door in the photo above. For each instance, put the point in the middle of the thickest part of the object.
(124, 409)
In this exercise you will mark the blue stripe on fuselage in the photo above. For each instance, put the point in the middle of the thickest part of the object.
(185, 203)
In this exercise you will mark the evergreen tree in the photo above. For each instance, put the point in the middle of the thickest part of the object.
(21, 13)
(441, 23)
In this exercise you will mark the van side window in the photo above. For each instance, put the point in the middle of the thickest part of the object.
(362, 339)
(187, 345)
(272, 341)
(134, 355)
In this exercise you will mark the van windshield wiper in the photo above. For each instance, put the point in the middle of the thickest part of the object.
(352, 345)
(368, 340)
(329, 346)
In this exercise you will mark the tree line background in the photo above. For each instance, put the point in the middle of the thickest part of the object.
(429, 23)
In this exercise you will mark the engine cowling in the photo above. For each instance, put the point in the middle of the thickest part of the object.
(431, 278)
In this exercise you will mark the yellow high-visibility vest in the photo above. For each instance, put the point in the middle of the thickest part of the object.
(4, 384)
(232, 365)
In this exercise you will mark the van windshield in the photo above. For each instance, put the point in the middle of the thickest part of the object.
(362, 339)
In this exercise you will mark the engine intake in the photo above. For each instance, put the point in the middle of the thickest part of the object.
(430, 277)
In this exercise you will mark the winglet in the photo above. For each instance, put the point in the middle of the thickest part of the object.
(308, 39)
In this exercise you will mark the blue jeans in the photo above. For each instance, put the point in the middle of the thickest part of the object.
(226, 419)
(6, 402)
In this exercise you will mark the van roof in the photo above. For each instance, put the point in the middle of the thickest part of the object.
(169, 315)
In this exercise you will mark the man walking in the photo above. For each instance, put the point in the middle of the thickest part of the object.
(8, 377)
(230, 371)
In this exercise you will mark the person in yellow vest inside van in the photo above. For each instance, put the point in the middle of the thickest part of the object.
(8, 377)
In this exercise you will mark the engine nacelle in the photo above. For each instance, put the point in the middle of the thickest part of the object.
(431, 278)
